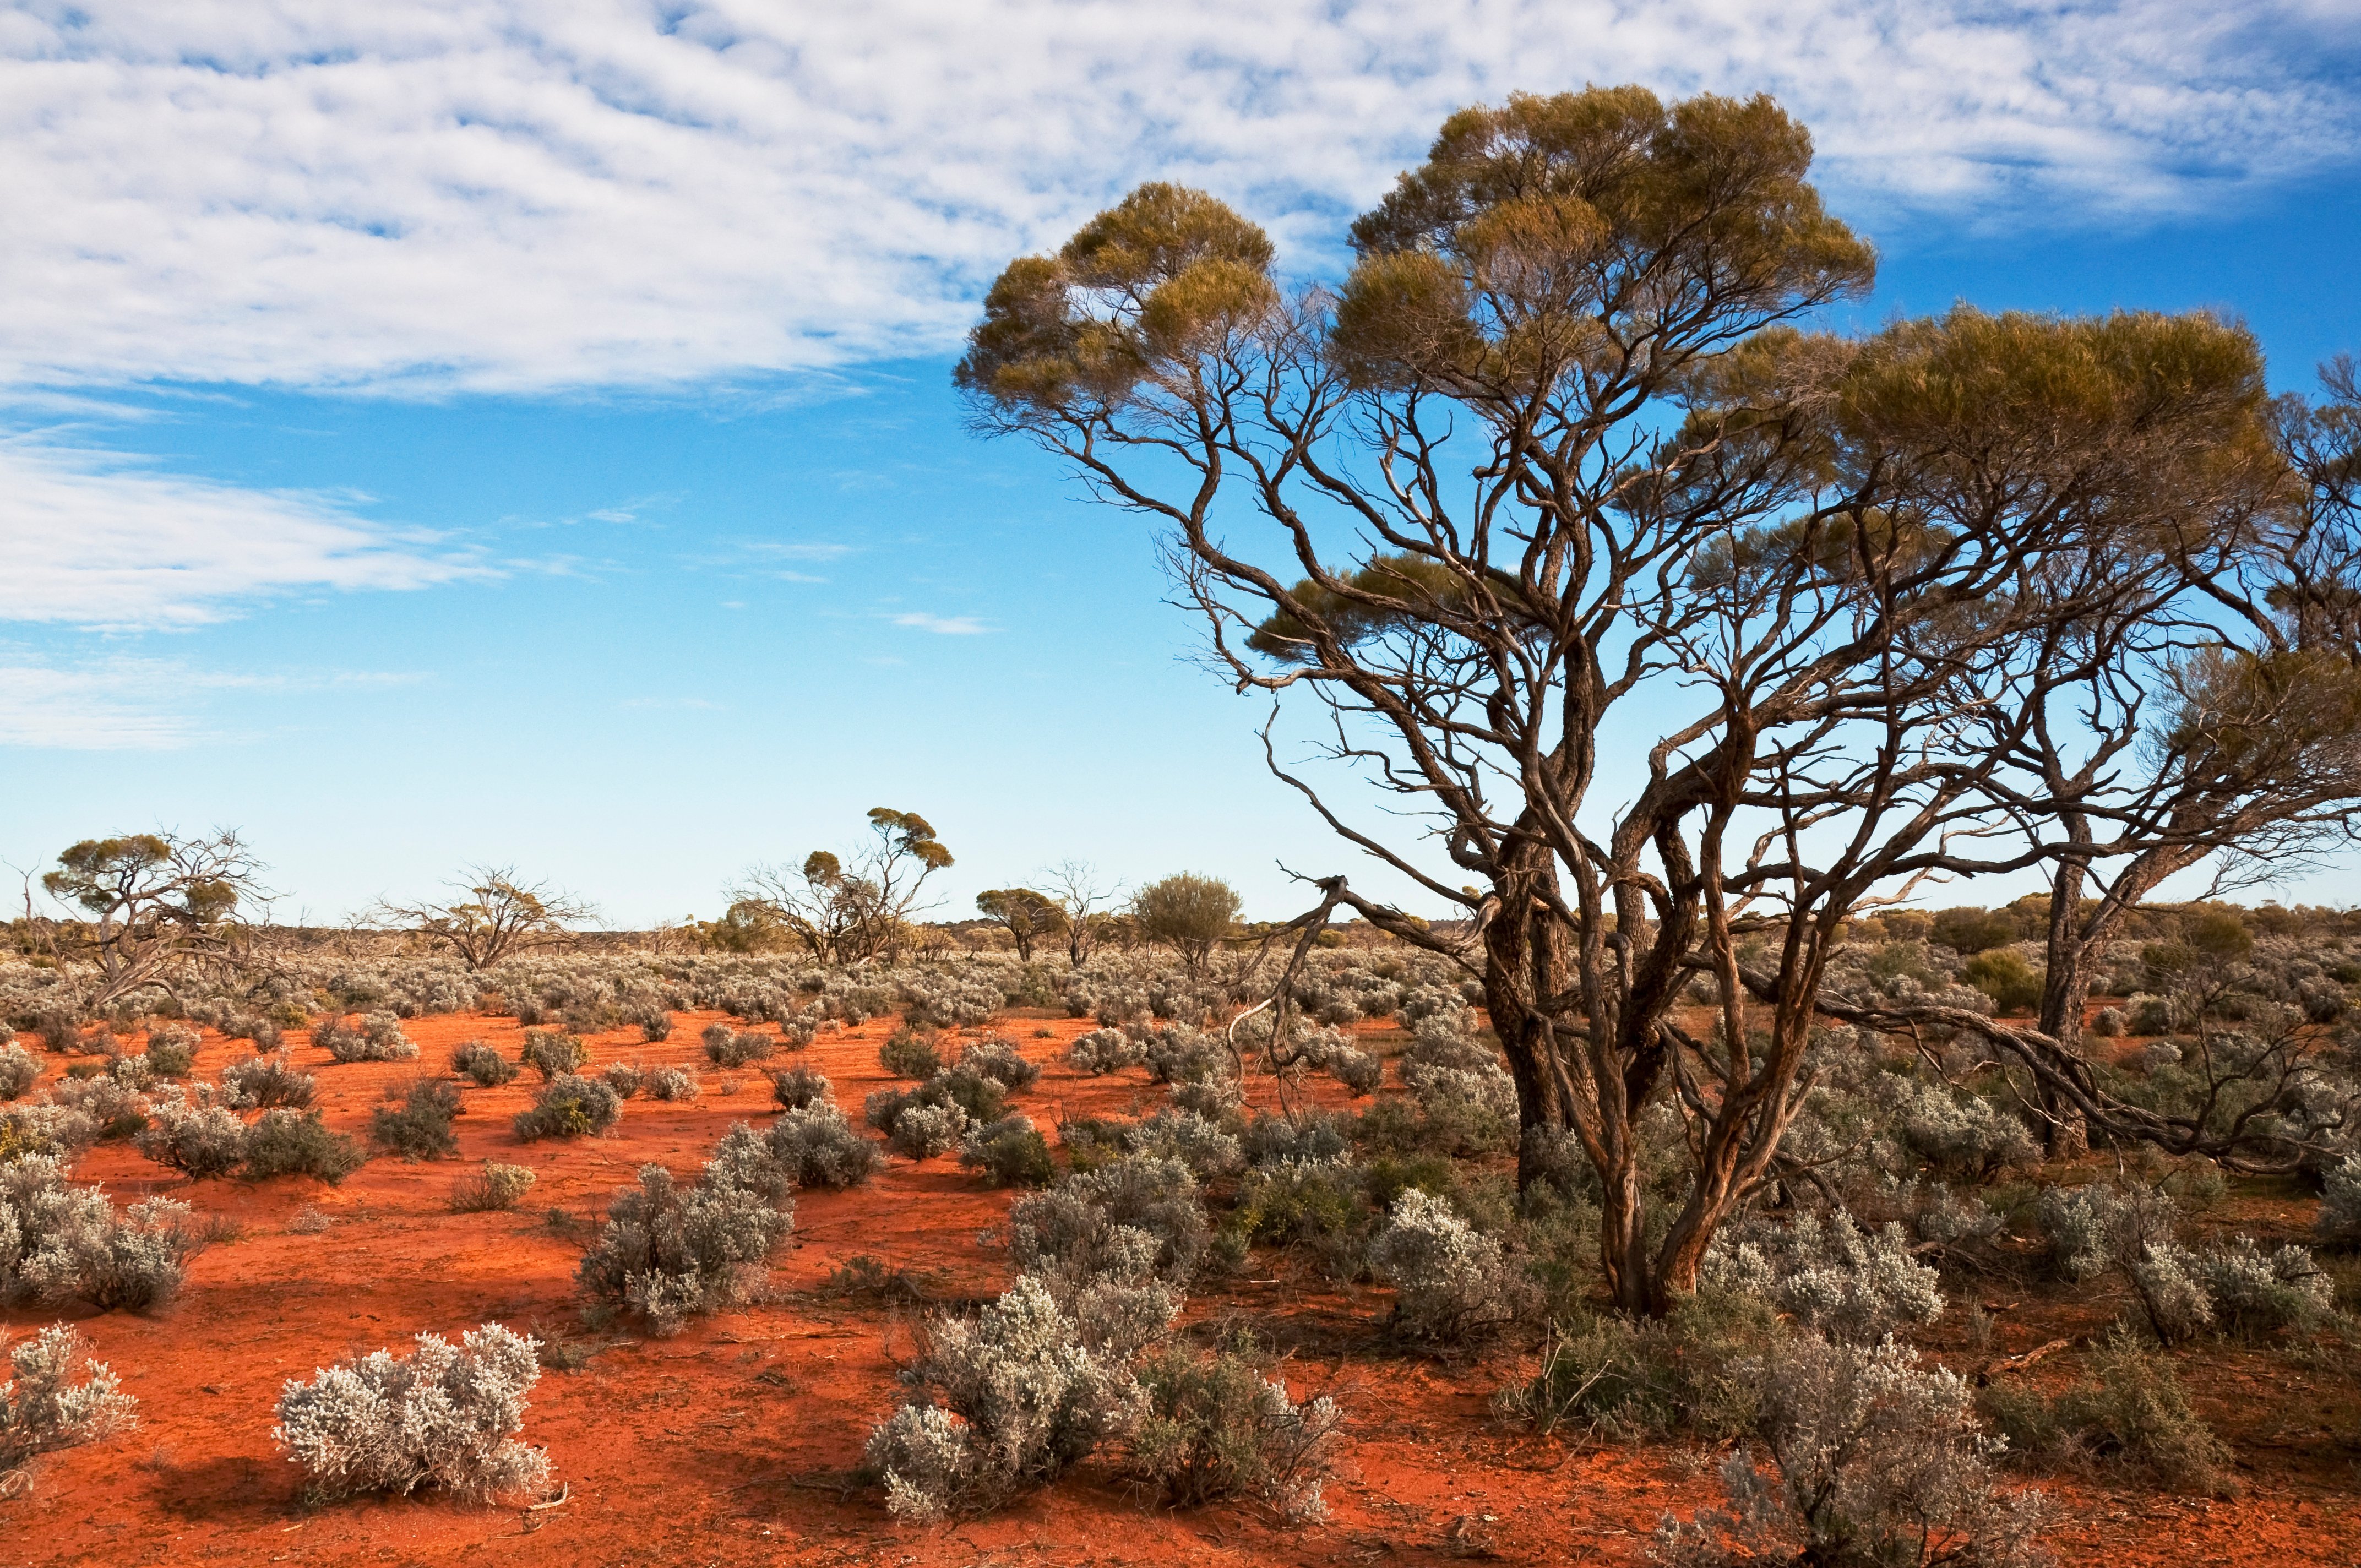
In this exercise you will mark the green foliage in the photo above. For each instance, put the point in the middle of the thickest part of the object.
(1216, 1428)
(1632, 1377)
(2131, 1412)
(911, 1053)
(1189, 912)
(297, 1143)
(1972, 931)
(2013, 985)
(552, 1055)
(570, 1107)
(420, 1127)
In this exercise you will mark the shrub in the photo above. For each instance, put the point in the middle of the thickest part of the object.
(655, 1022)
(2100, 1227)
(171, 1050)
(1074, 1227)
(2131, 1413)
(1877, 1463)
(1206, 1147)
(19, 1070)
(814, 1145)
(923, 1131)
(2254, 1291)
(1851, 1284)
(114, 1111)
(420, 1127)
(297, 1143)
(726, 1046)
(2013, 984)
(440, 1417)
(1016, 1398)
(201, 1143)
(672, 1084)
(2110, 1023)
(1106, 1050)
(797, 1087)
(667, 1251)
(378, 1038)
(61, 1243)
(910, 1054)
(44, 1127)
(552, 1055)
(481, 1065)
(570, 1107)
(1958, 1133)
(1009, 1152)
(625, 1078)
(496, 1186)
(1450, 1282)
(2339, 1222)
(261, 1081)
(999, 1060)
(42, 1410)
(1217, 1429)
(1313, 1139)
(1692, 1372)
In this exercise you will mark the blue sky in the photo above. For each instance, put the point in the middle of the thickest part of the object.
(522, 432)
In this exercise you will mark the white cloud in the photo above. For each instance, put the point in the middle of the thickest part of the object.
(135, 704)
(90, 539)
(533, 193)
(942, 625)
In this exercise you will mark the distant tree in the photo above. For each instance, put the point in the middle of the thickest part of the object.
(1027, 915)
(1186, 912)
(156, 901)
(1086, 906)
(853, 914)
(748, 926)
(497, 918)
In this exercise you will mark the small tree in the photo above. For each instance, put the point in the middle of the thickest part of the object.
(1024, 915)
(1082, 902)
(1190, 911)
(850, 914)
(499, 918)
(157, 903)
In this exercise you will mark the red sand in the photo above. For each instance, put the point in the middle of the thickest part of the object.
(733, 1441)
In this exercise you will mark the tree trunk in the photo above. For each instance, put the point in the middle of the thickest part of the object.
(2065, 989)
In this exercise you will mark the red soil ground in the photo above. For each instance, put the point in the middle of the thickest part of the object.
(733, 1442)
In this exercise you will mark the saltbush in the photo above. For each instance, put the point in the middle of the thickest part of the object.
(61, 1243)
(200, 1141)
(1215, 1427)
(171, 1050)
(420, 1127)
(1876, 1463)
(42, 1409)
(19, 1070)
(922, 1131)
(1450, 1283)
(261, 1081)
(1009, 1152)
(1072, 1227)
(668, 1251)
(997, 1058)
(495, 1187)
(814, 1145)
(570, 1107)
(726, 1046)
(552, 1055)
(297, 1143)
(444, 1416)
(2132, 1412)
(672, 1084)
(2339, 1222)
(481, 1065)
(797, 1087)
(910, 1053)
(378, 1038)
(1853, 1285)
(625, 1078)
(1106, 1050)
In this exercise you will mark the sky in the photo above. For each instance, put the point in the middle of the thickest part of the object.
(459, 433)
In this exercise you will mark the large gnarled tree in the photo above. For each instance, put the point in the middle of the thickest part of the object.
(1685, 629)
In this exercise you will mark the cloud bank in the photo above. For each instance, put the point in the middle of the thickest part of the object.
(525, 195)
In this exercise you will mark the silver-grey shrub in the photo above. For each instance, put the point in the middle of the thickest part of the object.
(999, 1060)
(815, 1146)
(570, 1106)
(2255, 1291)
(378, 1038)
(1067, 1228)
(1851, 1284)
(42, 1409)
(1104, 1051)
(1875, 1464)
(2339, 1222)
(1012, 1400)
(59, 1242)
(444, 1416)
(923, 1131)
(671, 1084)
(668, 1251)
(1451, 1282)
(200, 1141)
(19, 1070)
(264, 1080)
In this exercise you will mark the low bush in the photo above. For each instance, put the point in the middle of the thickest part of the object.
(552, 1055)
(668, 1251)
(2130, 1413)
(910, 1053)
(201, 1142)
(796, 1087)
(61, 1243)
(1450, 1283)
(1014, 1399)
(262, 1081)
(1009, 1152)
(495, 1187)
(726, 1046)
(655, 1022)
(672, 1084)
(1877, 1464)
(171, 1050)
(625, 1078)
(1853, 1285)
(378, 1038)
(297, 1143)
(1312, 1204)
(479, 1064)
(420, 1127)
(42, 1409)
(2253, 1291)
(2339, 1223)
(44, 1127)
(113, 1110)
(1215, 1427)
(922, 1131)
(1076, 1227)
(1103, 1051)
(570, 1107)
(814, 1145)
(1692, 1372)
(998, 1059)
(19, 1070)
(443, 1416)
